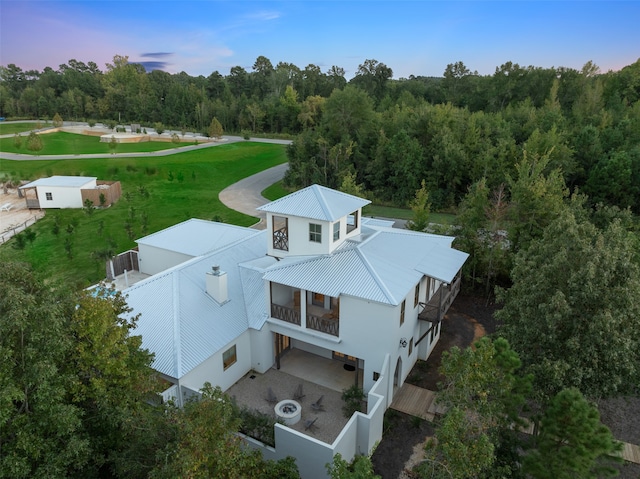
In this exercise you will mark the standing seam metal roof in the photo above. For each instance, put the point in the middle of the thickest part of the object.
(316, 202)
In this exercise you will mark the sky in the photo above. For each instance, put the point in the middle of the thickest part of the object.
(411, 37)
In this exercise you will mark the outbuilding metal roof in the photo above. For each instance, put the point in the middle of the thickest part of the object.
(196, 237)
(61, 181)
(316, 202)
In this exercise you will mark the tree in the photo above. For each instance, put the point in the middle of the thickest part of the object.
(537, 197)
(34, 142)
(421, 209)
(215, 129)
(360, 468)
(572, 442)
(57, 120)
(484, 394)
(112, 374)
(572, 312)
(40, 430)
(113, 144)
(207, 445)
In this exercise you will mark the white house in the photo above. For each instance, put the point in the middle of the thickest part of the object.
(69, 192)
(321, 279)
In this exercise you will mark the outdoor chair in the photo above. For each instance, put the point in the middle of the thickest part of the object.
(317, 406)
(298, 394)
(310, 424)
(270, 397)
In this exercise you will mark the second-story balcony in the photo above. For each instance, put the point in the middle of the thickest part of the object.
(435, 309)
(316, 317)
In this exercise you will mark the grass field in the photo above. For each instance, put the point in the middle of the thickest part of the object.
(157, 193)
(13, 128)
(62, 143)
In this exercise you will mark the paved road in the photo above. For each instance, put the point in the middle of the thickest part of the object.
(244, 196)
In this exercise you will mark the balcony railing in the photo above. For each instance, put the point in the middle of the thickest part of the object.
(33, 203)
(439, 304)
(284, 313)
(281, 239)
(323, 324)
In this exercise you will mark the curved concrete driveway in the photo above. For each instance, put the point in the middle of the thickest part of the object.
(244, 196)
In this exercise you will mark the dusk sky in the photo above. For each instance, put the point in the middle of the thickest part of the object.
(416, 37)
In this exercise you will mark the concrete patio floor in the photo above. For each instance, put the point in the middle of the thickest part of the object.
(251, 391)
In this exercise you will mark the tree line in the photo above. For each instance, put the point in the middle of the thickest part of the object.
(450, 131)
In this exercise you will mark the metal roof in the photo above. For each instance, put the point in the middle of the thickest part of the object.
(196, 237)
(316, 202)
(383, 267)
(61, 181)
(179, 322)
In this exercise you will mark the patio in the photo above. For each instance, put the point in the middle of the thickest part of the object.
(251, 391)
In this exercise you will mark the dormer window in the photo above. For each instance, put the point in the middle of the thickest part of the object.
(315, 233)
(336, 231)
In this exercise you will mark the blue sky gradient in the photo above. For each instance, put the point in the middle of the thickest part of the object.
(411, 37)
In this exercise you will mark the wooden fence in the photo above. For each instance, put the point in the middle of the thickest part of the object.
(116, 265)
(14, 230)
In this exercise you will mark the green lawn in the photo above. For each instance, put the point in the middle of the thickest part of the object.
(62, 143)
(12, 128)
(179, 187)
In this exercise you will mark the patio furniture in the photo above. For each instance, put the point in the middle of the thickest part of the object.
(317, 406)
(6, 207)
(270, 397)
(310, 424)
(298, 394)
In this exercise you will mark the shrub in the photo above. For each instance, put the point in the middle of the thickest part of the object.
(175, 139)
(246, 134)
(159, 127)
(17, 141)
(57, 120)
(353, 398)
(88, 207)
(34, 142)
(91, 123)
(103, 199)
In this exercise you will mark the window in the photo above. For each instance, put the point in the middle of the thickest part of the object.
(49, 196)
(229, 357)
(416, 297)
(315, 233)
(410, 346)
(352, 221)
(402, 312)
(280, 233)
(336, 231)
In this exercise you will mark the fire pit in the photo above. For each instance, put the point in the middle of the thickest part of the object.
(289, 411)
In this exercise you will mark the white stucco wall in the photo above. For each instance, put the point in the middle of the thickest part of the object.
(212, 369)
(298, 230)
(153, 260)
(262, 349)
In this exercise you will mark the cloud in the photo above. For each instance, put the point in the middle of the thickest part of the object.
(150, 66)
(156, 55)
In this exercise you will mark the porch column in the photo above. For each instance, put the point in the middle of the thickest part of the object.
(303, 308)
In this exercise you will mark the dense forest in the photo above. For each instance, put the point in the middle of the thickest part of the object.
(541, 167)
(388, 134)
